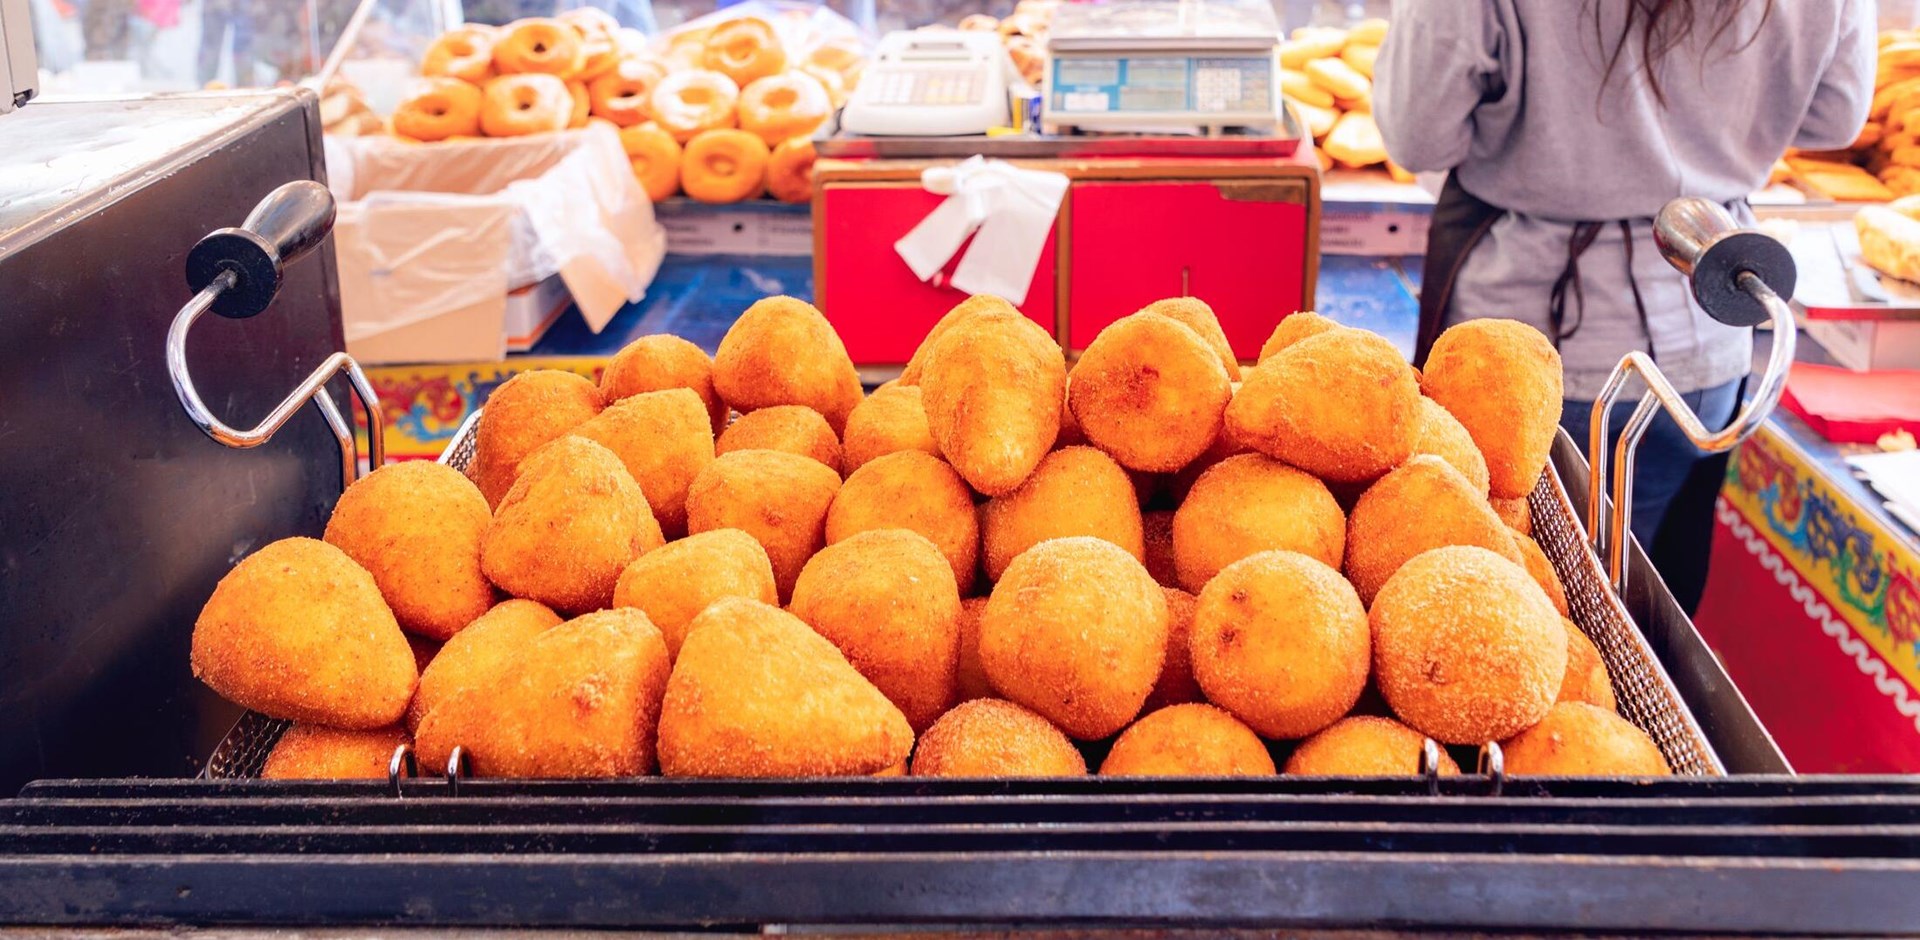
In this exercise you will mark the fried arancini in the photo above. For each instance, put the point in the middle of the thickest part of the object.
(673, 583)
(1192, 740)
(1423, 504)
(1579, 740)
(297, 630)
(1517, 513)
(1198, 317)
(783, 352)
(663, 440)
(970, 677)
(794, 429)
(488, 649)
(1281, 641)
(316, 752)
(1176, 684)
(1541, 570)
(757, 693)
(1586, 679)
(1149, 392)
(1252, 503)
(914, 491)
(978, 303)
(1501, 379)
(573, 521)
(1341, 405)
(1073, 491)
(1156, 530)
(416, 527)
(988, 737)
(660, 362)
(1442, 436)
(1466, 648)
(993, 386)
(778, 498)
(583, 700)
(1294, 328)
(520, 416)
(1364, 746)
(887, 600)
(1077, 631)
(888, 421)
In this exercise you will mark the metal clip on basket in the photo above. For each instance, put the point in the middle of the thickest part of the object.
(1739, 277)
(235, 272)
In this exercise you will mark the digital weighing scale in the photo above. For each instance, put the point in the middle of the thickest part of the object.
(1140, 65)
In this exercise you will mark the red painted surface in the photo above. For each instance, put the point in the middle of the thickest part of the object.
(871, 297)
(1130, 242)
(1826, 715)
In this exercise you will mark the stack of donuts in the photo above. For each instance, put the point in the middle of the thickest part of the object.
(721, 114)
(1024, 33)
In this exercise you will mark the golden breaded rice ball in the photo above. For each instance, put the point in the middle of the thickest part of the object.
(520, 416)
(783, 352)
(297, 630)
(1293, 329)
(416, 527)
(1341, 405)
(1423, 504)
(313, 752)
(480, 655)
(778, 498)
(1249, 504)
(1443, 437)
(1501, 379)
(1466, 648)
(1586, 679)
(1074, 491)
(790, 428)
(888, 421)
(987, 737)
(978, 303)
(1281, 641)
(660, 362)
(573, 521)
(914, 491)
(993, 386)
(1540, 568)
(1198, 317)
(673, 583)
(1077, 631)
(663, 440)
(1579, 740)
(1150, 393)
(1194, 740)
(1364, 746)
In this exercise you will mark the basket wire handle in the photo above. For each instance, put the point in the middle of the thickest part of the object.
(236, 272)
(402, 758)
(1430, 765)
(1493, 766)
(457, 767)
(1739, 277)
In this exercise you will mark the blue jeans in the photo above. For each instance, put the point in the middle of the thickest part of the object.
(1674, 484)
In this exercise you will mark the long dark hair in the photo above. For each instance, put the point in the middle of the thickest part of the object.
(1660, 26)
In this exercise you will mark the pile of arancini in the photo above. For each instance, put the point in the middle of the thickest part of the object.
(1149, 556)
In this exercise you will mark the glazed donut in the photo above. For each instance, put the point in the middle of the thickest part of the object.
(655, 156)
(582, 105)
(687, 50)
(513, 105)
(620, 96)
(790, 170)
(745, 49)
(832, 81)
(725, 165)
(979, 22)
(590, 20)
(465, 53)
(781, 106)
(686, 103)
(438, 109)
(840, 55)
(599, 56)
(539, 45)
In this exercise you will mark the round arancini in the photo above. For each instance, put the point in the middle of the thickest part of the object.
(1077, 631)
(1192, 740)
(521, 416)
(1194, 313)
(1252, 503)
(1580, 740)
(1149, 392)
(988, 737)
(573, 521)
(1587, 679)
(1293, 329)
(888, 421)
(315, 752)
(886, 600)
(1364, 746)
(1501, 379)
(1341, 405)
(479, 655)
(914, 491)
(1074, 491)
(781, 351)
(663, 440)
(778, 498)
(1281, 641)
(416, 527)
(795, 429)
(660, 362)
(1466, 648)
(1422, 504)
(673, 583)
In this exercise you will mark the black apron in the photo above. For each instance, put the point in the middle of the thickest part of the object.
(1460, 221)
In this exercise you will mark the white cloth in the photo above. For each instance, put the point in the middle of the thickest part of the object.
(1007, 211)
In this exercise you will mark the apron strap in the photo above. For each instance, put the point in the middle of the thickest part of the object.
(1460, 220)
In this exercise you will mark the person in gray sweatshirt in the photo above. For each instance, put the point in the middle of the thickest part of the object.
(1563, 126)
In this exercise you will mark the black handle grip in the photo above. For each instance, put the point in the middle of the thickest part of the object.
(292, 221)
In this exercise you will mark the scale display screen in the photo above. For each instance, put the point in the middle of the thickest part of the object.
(1144, 84)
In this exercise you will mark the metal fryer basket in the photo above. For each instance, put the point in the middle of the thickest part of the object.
(1646, 694)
